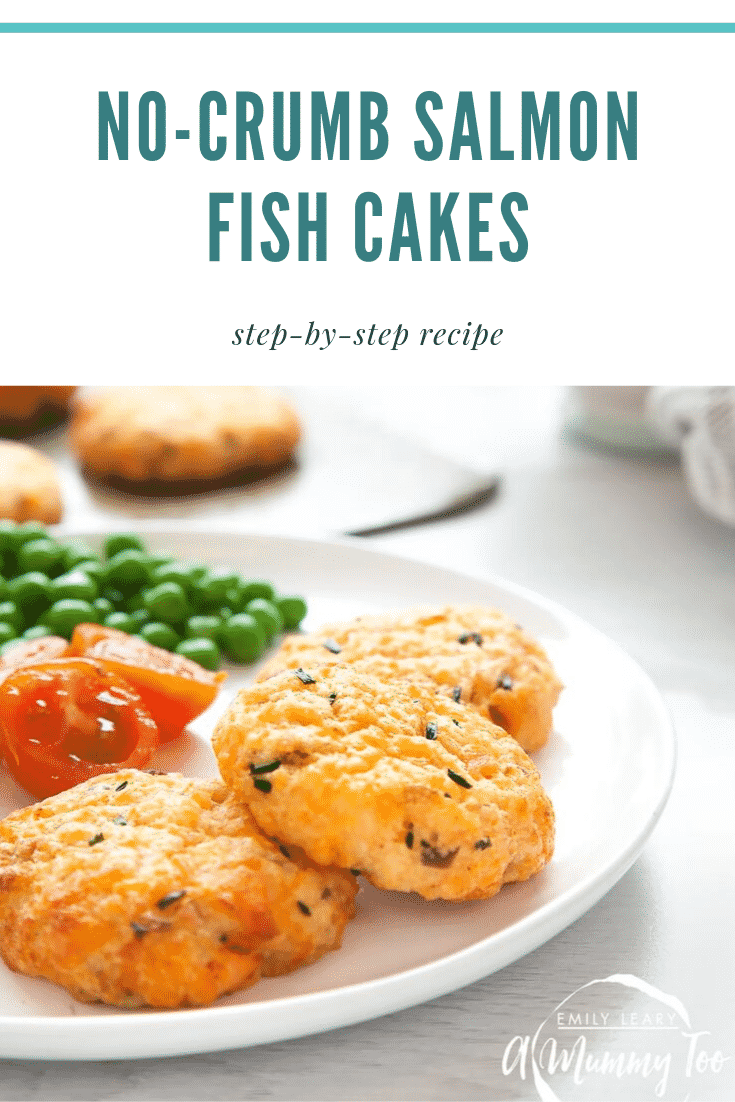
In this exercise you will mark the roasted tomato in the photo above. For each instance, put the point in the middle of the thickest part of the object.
(31, 651)
(174, 689)
(65, 721)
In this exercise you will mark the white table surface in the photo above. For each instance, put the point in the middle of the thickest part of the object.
(617, 540)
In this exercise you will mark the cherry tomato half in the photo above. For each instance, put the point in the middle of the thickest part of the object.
(67, 720)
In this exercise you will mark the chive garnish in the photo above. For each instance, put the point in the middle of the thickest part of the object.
(431, 729)
(95, 839)
(303, 908)
(285, 852)
(140, 931)
(267, 768)
(457, 779)
(332, 645)
(120, 821)
(484, 843)
(456, 694)
(355, 872)
(409, 839)
(305, 677)
(471, 637)
(170, 898)
(262, 784)
(505, 682)
(456, 723)
(121, 786)
(332, 697)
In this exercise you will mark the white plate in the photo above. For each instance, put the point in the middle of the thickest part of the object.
(608, 769)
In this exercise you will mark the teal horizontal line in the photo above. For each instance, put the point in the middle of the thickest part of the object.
(367, 28)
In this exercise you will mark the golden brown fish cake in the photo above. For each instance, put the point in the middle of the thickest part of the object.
(475, 655)
(25, 409)
(163, 438)
(419, 793)
(141, 890)
(29, 485)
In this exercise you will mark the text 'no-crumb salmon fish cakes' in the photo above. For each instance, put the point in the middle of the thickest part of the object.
(417, 792)
(478, 656)
(156, 890)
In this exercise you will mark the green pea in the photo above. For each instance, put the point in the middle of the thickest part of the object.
(128, 570)
(292, 610)
(30, 592)
(64, 615)
(160, 635)
(76, 585)
(3, 588)
(175, 572)
(225, 612)
(24, 533)
(203, 651)
(267, 615)
(95, 569)
(216, 584)
(40, 555)
(11, 614)
(202, 627)
(103, 607)
(197, 571)
(243, 638)
(140, 617)
(166, 602)
(75, 552)
(134, 603)
(160, 558)
(251, 590)
(7, 532)
(122, 541)
(121, 622)
(38, 631)
(7, 632)
(114, 596)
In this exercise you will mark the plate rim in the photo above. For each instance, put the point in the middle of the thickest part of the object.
(351, 1003)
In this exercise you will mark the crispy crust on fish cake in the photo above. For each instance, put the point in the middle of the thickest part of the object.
(167, 437)
(419, 793)
(140, 890)
(476, 655)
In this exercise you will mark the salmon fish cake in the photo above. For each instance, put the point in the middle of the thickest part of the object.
(156, 890)
(417, 792)
(475, 655)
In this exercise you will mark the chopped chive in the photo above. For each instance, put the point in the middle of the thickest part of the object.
(471, 637)
(431, 729)
(305, 677)
(456, 723)
(484, 843)
(121, 786)
(332, 697)
(285, 852)
(120, 821)
(140, 931)
(355, 872)
(332, 645)
(262, 784)
(457, 694)
(505, 682)
(303, 908)
(170, 898)
(223, 938)
(267, 768)
(457, 779)
(95, 839)
(409, 839)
